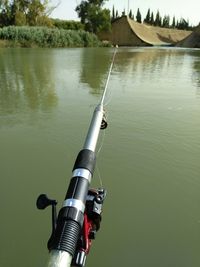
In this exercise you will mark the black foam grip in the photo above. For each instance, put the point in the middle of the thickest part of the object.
(86, 159)
(67, 239)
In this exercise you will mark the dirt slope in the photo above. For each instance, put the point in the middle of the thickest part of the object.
(192, 41)
(156, 35)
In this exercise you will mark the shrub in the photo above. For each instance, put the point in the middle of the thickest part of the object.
(48, 37)
(67, 24)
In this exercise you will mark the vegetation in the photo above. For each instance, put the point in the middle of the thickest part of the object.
(155, 19)
(67, 24)
(24, 12)
(93, 16)
(26, 23)
(138, 16)
(25, 36)
(115, 14)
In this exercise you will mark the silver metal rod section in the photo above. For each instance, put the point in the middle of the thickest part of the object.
(95, 125)
(93, 132)
(109, 73)
(59, 258)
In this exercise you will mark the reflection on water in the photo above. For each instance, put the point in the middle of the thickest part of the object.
(26, 79)
(95, 65)
(146, 63)
(196, 67)
(147, 59)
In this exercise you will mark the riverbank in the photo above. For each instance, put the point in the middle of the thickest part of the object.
(13, 36)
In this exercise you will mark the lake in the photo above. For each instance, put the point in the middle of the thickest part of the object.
(148, 159)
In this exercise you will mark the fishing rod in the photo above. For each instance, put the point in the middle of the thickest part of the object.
(79, 218)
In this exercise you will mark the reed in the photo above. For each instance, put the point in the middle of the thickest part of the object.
(26, 36)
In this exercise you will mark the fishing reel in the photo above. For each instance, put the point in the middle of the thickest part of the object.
(91, 222)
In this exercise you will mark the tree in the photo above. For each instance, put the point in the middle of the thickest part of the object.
(138, 16)
(165, 22)
(25, 12)
(113, 14)
(158, 19)
(5, 13)
(93, 16)
(131, 16)
(117, 14)
(147, 19)
(19, 18)
(173, 22)
(36, 10)
(152, 19)
(177, 22)
(183, 24)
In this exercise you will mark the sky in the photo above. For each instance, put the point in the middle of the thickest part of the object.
(189, 10)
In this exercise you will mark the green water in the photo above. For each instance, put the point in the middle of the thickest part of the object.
(149, 162)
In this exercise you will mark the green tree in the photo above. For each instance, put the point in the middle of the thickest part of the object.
(148, 17)
(113, 13)
(152, 19)
(158, 19)
(35, 10)
(20, 18)
(173, 22)
(5, 13)
(131, 16)
(177, 22)
(93, 16)
(24, 12)
(117, 14)
(138, 16)
(165, 23)
(183, 24)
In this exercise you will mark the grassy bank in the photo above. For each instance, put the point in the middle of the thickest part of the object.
(13, 36)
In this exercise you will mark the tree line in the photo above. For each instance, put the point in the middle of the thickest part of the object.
(32, 13)
(93, 16)
(26, 23)
(25, 12)
(154, 19)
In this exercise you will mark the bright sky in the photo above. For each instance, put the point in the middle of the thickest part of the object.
(187, 9)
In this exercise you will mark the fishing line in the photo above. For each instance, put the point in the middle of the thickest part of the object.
(108, 78)
(101, 144)
(109, 97)
(105, 104)
(99, 176)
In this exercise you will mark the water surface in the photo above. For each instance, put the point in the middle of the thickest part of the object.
(149, 161)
